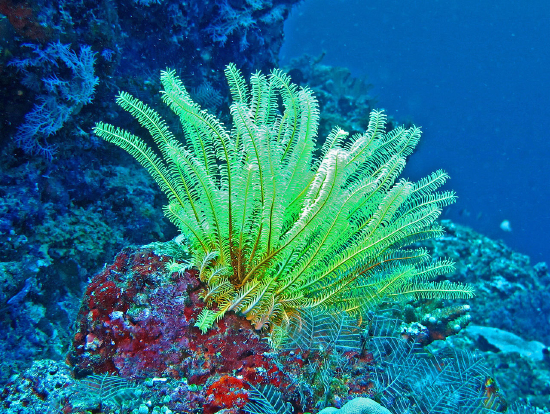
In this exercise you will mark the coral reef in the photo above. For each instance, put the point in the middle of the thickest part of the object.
(132, 37)
(38, 389)
(53, 235)
(137, 321)
(515, 295)
(62, 220)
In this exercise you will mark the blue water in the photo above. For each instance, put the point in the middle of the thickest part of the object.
(475, 75)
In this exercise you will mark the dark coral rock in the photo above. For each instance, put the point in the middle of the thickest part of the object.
(344, 99)
(511, 294)
(41, 388)
(59, 224)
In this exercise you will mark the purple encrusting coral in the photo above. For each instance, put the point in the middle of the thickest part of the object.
(137, 321)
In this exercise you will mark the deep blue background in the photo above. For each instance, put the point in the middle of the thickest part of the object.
(475, 75)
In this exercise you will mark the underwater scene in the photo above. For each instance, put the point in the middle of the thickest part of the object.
(274, 207)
